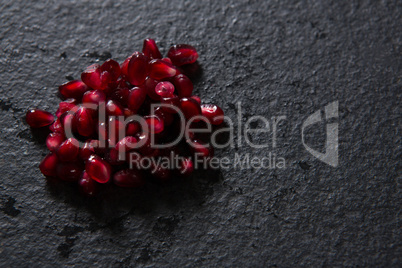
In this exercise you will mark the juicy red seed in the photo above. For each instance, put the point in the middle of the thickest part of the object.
(68, 151)
(88, 186)
(201, 149)
(54, 140)
(150, 49)
(124, 66)
(73, 89)
(92, 77)
(164, 89)
(128, 178)
(182, 54)
(173, 101)
(183, 85)
(88, 149)
(167, 117)
(127, 112)
(133, 128)
(190, 108)
(112, 68)
(115, 131)
(137, 69)
(161, 173)
(155, 123)
(150, 85)
(114, 108)
(56, 127)
(113, 157)
(136, 98)
(94, 97)
(167, 60)
(38, 118)
(127, 144)
(121, 96)
(69, 171)
(159, 70)
(196, 98)
(68, 122)
(102, 132)
(84, 122)
(186, 167)
(98, 169)
(213, 113)
(49, 164)
(66, 106)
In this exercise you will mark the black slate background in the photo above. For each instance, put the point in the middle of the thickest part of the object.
(276, 57)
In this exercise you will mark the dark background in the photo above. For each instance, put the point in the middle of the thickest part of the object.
(276, 57)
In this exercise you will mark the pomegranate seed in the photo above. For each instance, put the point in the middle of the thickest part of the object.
(127, 112)
(66, 106)
(128, 178)
(150, 49)
(150, 85)
(116, 130)
(121, 96)
(213, 113)
(38, 118)
(136, 98)
(84, 122)
(167, 117)
(133, 128)
(124, 66)
(114, 108)
(110, 71)
(127, 144)
(56, 127)
(164, 89)
(69, 171)
(183, 85)
(54, 140)
(98, 169)
(73, 89)
(88, 149)
(186, 167)
(173, 101)
(196, 98)
(68, 150)
(167, 60)
(94, 97)
(49, 164)
(68, 122)
(160, 70)
(88, 186)
(92, 77)
(182, 54)
(155, 123)
(190, 108)
(137, 69)
(113, 157)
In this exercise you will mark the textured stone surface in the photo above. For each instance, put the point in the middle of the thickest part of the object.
(277, 57)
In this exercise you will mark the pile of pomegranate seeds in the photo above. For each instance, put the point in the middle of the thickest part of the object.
(89, 148)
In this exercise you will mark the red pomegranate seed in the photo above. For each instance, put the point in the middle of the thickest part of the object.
(102, 132)
(66, 106)
(155, 123)
(84, 122)
(150, 85)
(182, 54)
(94, 97)
(114, 108)
(133, 128)
(136, 98)
(98, 169)
(115, 131)
(186, 167)
(88, 186)
(190, 108)
(68, 123)
(127, 112)
(167, 117)
(164, 89)
(159, 70)
(121, 96)
(173, 101)
(68, 150)
(196, 98)
(183, 85)
(89, 148)
(54, 140)
(73, 89)
(110, 71)
(167, 60)
(113, 157)
(124, 66)
(92, 77)
(69, 171)
(49, 164)
(56, 127)
(213, 113)
(38, 118)
(137, 69)
(128, 178)
(150, 49)
(127, 144)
